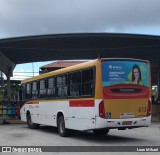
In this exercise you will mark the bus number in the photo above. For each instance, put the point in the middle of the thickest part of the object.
(142, 109)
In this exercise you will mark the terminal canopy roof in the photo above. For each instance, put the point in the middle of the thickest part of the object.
(83, 46)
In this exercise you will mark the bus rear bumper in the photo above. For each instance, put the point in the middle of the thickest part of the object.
(120, 123)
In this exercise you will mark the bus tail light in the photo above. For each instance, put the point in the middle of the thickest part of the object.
(149, 108)
(101, 110)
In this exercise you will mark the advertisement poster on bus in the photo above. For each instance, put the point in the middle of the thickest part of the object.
(125, 72)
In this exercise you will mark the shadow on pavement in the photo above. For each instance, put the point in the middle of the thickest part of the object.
(89, 136)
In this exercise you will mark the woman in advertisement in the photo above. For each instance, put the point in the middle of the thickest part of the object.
(136, 75)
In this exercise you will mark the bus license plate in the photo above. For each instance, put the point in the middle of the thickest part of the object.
(126, 122)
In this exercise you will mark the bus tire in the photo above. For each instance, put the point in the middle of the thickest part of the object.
(30, 124)
(101, 131)
(63, 132)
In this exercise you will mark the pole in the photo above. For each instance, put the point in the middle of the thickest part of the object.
(8, 89)
(33, 69)
(1, 79)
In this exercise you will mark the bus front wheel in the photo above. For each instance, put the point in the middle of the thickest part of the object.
(61, 127)
(30, 124)
(101, 131)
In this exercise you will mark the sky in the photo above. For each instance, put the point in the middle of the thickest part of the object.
(38, 17)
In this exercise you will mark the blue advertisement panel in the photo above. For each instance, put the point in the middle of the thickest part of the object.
(125, 72)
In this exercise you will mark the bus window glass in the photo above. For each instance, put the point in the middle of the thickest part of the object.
(42, 89)
(28, 91)
(28, 88)
(34, 90)
(62, 86)
(87, 82)
(34, 87)
(59, 81)
(74, 81)
(51, 82)
(51, 88)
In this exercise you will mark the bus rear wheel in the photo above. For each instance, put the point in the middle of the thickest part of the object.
(30, 124)
(61, 127)
(101, 131)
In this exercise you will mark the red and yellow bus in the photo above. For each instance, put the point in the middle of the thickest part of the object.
(97, 95)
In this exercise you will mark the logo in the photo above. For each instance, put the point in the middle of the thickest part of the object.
(108, 115)
(6, 149)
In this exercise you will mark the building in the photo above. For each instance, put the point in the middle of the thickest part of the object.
(57, 65)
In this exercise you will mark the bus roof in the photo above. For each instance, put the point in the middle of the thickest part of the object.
(76, 67)
(61, 71)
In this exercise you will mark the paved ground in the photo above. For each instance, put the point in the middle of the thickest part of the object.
(21, 135)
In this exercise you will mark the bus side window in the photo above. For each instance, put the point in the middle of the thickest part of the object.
(51, 88)
(34, 91)
(42, 90)
(28, 91)
(62, 86)
(74, 84)
(87, 82)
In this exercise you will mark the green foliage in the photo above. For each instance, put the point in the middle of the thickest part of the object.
(14, 91)
(1, 95)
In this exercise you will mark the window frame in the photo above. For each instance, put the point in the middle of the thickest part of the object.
(67, 85)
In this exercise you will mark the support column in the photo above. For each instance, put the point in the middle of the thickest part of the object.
(158, 87)
(7, 67)
(8, 90)
(1, 77)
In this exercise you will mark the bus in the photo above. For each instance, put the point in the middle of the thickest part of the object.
(97, 95)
